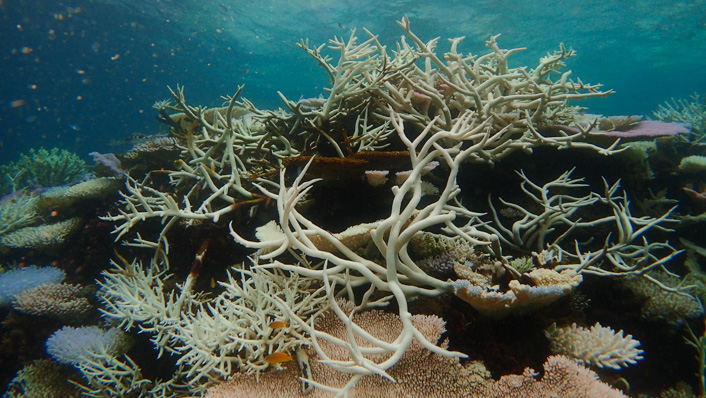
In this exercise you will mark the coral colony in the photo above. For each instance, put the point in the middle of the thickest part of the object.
(235, 270)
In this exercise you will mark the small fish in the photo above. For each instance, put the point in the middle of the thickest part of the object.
(73, 127)
(132, 139)
(223, 7)
(135, 137)
(278, 357)
(277, 325)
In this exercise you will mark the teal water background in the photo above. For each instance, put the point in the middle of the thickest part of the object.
(83, 75)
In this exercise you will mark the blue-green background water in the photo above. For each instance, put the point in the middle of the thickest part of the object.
(81, 74)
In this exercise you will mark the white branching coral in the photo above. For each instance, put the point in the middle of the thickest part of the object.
(691, 111)
(225, 148)
(220, 153)
(214, 338)
(625, 251)
(443, 113)
(236, 331)
(389, 267)
(421, 85)
(598, 346)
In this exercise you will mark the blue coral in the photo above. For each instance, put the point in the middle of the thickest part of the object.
(16, 281)
(72, 346)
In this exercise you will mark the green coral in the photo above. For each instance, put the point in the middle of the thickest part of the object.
(41, 378)
(41, 168)
(17, 212)
(522, 264)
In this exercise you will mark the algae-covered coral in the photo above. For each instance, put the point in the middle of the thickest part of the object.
(447, 184)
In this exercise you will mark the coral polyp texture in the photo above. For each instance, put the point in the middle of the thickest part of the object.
(321, 248)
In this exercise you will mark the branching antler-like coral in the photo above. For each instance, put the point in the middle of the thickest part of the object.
(389, 269)
(444, 111)
(621, 254)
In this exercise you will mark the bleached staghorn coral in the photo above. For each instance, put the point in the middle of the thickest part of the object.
(691, 111)
(234, 332)
(532, 231)
(226, 147)
(512, 97)
(220, 154)
(389, 269)
(598, 346)
(624, 252)
(358, 71)
(518, 102)
(218, 337)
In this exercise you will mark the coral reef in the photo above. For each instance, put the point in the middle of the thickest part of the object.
(418, 373)
(70, 345)
(317, 249)
(456, 110)
(17, 210)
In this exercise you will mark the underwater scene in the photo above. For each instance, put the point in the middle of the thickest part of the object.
(321, 198)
